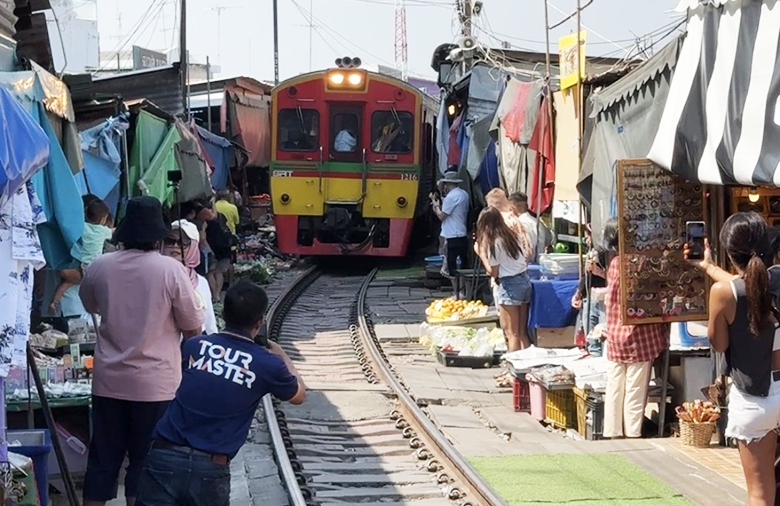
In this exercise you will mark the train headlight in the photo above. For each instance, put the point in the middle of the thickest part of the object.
(284, 198)
(401, 202)
(337, 78)
(355, 79)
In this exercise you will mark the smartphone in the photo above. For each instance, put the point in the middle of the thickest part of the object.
(694, 236)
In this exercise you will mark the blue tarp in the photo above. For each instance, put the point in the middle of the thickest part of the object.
(551, 304)
(24, 147)
(220, 151)
(100, 146)
(61, 201)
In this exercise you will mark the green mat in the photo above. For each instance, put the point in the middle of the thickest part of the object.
(581, 480)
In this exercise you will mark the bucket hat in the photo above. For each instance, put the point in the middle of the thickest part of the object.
(143, 222)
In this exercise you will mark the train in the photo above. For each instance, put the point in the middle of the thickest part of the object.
(352, 162)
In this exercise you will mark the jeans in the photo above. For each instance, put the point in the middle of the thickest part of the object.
(174, 478)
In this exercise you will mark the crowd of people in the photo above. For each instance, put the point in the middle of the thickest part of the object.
(505, 242)
(170, 393)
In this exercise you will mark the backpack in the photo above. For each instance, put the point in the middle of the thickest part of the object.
(219, 237)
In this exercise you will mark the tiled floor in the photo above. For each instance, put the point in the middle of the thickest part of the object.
(723, 461)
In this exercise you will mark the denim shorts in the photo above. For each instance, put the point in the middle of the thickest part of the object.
(513, 290)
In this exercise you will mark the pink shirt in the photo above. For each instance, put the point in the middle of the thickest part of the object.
(145, 300)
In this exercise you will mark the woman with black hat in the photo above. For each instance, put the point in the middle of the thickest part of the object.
(146, 302)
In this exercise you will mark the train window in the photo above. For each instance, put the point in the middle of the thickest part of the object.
(346, 127)
(392, 131)
(299, 129)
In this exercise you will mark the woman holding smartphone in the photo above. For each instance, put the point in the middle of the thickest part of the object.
(743, 325)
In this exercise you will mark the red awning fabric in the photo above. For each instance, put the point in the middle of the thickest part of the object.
(249, 126)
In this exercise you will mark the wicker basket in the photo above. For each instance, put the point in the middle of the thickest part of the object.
(696, 434)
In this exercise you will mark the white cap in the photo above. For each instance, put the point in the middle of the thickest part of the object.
(188, 228)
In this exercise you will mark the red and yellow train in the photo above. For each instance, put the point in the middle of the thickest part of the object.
(352, 162)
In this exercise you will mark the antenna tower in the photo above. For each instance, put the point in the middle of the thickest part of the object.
(401, 50)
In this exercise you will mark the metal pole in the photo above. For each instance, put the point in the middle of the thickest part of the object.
(580, 109)
(467, 11)
(184, 57)
(208, 92)
(311, 28)
(548, 97)
(276, 44)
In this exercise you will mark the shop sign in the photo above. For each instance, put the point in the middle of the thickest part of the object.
(146, 59)
(567, 59)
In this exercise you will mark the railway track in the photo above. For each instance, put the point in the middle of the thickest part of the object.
(360, 438)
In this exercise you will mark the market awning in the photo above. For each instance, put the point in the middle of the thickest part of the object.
(721, 122)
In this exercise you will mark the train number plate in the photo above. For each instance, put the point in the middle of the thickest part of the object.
(409, 177)
(282, 173)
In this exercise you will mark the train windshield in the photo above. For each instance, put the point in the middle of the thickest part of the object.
(391, 131)
(299, 129)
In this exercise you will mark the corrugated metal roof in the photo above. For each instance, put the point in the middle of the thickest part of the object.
(32, 34)
(162, 86)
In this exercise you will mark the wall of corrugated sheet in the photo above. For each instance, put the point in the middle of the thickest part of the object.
(161, 86)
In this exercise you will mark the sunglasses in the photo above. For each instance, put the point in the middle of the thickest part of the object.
(175, 241)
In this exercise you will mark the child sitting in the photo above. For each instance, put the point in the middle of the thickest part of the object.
(88, 248)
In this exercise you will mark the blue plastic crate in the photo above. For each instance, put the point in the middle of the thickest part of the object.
(36, 444)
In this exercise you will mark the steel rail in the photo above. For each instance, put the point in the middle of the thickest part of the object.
(465, 474)
(274, 318)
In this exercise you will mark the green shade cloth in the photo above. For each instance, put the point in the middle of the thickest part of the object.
(581, 480)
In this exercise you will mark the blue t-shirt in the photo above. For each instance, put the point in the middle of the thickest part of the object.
(224, 378)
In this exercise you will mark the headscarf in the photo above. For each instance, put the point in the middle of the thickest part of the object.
(191, 252)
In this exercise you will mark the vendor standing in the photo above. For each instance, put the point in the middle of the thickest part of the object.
(453, 212)
(147, 302)
(631, 350)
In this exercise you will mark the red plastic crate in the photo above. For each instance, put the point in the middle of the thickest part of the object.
(521, 396)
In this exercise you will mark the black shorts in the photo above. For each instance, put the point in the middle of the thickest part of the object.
(456, 247)
(119, 428)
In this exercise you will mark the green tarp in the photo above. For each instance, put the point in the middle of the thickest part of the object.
(158, 148)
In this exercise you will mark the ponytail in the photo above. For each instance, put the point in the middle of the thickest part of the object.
(758, 296)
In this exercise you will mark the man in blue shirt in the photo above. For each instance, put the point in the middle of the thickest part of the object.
(453, 212)
(225, 377)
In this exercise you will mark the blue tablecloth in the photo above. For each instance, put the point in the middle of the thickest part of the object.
(551, 304)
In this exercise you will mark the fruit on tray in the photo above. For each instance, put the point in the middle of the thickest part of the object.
(698, 412)
(453, 309)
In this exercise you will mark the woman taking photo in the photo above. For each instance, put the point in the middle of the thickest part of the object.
(743, 326)
(499, 249)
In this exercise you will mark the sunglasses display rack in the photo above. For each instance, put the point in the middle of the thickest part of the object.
(657, 283)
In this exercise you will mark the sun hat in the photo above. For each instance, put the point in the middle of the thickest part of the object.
(143, 222)
(451, 176)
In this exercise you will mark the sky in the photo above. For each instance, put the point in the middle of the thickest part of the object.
(239, 38)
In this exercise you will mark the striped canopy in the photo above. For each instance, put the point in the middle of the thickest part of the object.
(721, 122)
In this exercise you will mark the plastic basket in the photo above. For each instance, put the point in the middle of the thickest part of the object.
(581, 399)
(593, 428)
(521, 396)
(696, 434)
(560, 409)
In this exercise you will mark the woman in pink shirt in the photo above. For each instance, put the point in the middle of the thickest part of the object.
(146, 302)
